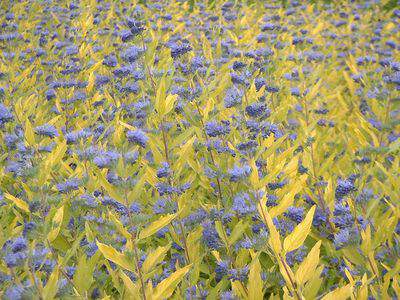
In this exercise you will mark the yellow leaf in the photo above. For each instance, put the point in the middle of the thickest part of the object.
(57, 222)
(29, 133)
(169, 103)
(120, 226)
(166, 287)
(160, 97)
(311, 288)
(58, 153)
(255, 285)
(307, 268)
(238, 289)
(131, 288)
(91, 81)
(154, 258)
(237, 232)
(110, 188)
(156, 226)
(18, 202)
(318, 28)
(207, 49)
(288, 199)
(299, 234)
(274, 239)
(50, 290)
(254, 179)
(340, 293)
(350, 82)
(116, 257)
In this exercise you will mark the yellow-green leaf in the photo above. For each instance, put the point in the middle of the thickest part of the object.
(132, 289)
(154, 258)
(110, 188)
(255, 285)
(237, 232)
(83, 276)
(169, 103)
(91, 81)
(120, 226)
(18, 202)
(116, 257)
(29, 133)
(50, 290)
(57, 222)
(300, 233)
(156, 226)
(166, 287)
(341, 293)
(307, 268)
(274, 239)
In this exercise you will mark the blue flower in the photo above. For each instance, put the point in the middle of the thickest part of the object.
(137, 137)
(233, 97)
(344, 187)
(164, 206)
(239, 274)
(132, 54)
(295, 214)
(136, 27)
(164, 171)
(126, 35)
(69, 185)
(50, 94)
(19, 244)
(210, 236)
(5, 115)
(221, 270)
(110, 60)
(214, 129)
(342, 238)
(239, 173)
(228, 295)
(178, 50)
(319, 217)
(257, 109)
(47, 130)
(13, 260)
(15, 292)
(243, 205)
(342, 216)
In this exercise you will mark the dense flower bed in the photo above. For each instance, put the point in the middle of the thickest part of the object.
(219, 150)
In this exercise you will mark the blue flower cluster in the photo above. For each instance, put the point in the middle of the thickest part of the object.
(145, 141)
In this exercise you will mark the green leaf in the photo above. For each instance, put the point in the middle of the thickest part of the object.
(237, 232)
(109, 188)
(29, 133)
(18, 202)
(274, 239)
(156, 226)
(166, 287)
(116, 257)
(307, 268)
(57, 223)
(300, 233)
(83, 276)
(169, 103)
(50, 290)
(119, 226)
(131, 288)
(344, 292)
(154, 258)
(255, 285)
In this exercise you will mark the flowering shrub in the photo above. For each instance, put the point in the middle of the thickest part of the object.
(199, 150)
